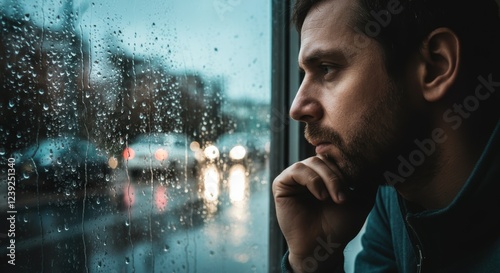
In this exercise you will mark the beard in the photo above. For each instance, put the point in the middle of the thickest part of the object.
(371, 146)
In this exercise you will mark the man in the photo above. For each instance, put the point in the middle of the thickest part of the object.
(400, 99)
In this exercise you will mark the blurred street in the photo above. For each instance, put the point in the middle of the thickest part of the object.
(161, 228)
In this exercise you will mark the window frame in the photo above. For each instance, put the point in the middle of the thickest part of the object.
(288, 144)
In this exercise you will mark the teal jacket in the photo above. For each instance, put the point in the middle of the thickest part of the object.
(463, 237)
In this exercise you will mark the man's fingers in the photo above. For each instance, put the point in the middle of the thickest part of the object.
(296, 179)
(330, 176)
(333, 182)
(313, 174)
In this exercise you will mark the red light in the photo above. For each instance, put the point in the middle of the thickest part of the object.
(128, 195)
(161, 199)
(128, 153)
(161, 154)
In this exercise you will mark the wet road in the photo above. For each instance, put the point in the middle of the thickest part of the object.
(234, 240)
(160, 229)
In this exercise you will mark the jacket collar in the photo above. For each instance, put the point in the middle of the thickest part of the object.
(472, 217)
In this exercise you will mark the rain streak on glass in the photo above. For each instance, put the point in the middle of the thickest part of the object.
(140, 134)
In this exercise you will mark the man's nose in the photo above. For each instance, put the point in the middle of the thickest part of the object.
(306, 106)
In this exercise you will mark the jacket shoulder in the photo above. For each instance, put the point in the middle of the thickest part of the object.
(386, 246)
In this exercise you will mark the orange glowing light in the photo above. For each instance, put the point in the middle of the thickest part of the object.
(161, 154)
(128, 153)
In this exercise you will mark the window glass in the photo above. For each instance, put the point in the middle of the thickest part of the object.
(135, 135)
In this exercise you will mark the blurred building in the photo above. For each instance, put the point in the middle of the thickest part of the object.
(50, 87)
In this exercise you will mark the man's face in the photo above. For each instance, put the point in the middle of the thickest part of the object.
(354, 113)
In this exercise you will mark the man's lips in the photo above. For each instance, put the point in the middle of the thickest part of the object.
(323, 147)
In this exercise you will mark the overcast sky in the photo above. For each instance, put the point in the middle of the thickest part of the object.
(231, 38)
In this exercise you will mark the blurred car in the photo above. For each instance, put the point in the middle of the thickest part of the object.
(55, 178)
(167, 153)
(231, 159)
(61, 164)
(159, 186)
(242, 148)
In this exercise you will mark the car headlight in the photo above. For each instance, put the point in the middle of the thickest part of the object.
(237, 152)
(211, 152)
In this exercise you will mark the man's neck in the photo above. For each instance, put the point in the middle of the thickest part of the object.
(438, 181)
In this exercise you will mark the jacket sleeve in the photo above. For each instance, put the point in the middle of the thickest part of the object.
(285, 265)
(377, 254)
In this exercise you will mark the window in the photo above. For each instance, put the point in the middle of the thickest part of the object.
(137, 135)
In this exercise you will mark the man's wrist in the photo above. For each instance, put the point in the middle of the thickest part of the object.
(322, 260)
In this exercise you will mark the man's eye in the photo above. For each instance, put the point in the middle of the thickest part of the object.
(329, 69)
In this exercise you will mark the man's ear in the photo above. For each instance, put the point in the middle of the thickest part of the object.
(438, 64)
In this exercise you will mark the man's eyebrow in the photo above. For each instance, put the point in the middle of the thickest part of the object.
(320, 54)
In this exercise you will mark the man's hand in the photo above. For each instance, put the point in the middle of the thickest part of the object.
(312, 205)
